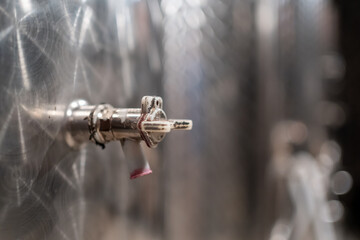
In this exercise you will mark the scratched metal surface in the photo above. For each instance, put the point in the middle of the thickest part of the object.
(52, 52)
(214, 61)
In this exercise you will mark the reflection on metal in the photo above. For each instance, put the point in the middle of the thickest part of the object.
(104, 123)
(240, 69)
(306, 181)
(53, 52)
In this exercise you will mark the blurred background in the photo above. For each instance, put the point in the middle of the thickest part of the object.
(272, 89)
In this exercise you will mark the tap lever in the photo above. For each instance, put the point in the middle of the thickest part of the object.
(136, 161)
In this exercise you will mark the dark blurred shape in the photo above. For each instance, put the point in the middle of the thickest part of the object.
(349, 37)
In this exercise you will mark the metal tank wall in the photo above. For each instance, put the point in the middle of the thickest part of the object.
(255, 78)
(246, 72)
(53, 52)
(208, 76)
(299, 69)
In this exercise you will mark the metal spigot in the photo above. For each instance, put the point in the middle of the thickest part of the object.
(104, 123)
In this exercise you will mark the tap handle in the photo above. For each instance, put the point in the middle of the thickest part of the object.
(135, 159)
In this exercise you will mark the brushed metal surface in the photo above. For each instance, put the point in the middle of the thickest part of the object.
(51, 53)
(236, 68)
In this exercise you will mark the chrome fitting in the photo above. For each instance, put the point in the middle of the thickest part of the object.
(104, 123)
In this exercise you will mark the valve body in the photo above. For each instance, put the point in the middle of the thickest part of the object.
(104, 123)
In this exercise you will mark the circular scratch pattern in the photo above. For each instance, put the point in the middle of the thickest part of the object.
(52, 52)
